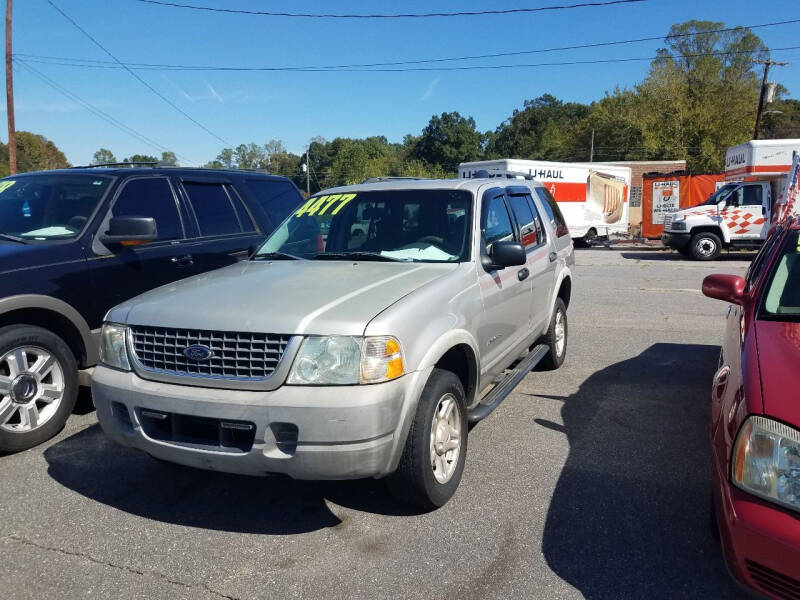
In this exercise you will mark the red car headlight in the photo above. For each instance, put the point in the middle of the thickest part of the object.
(766, 461)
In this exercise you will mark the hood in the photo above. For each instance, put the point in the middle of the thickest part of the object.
(779, 363)
(16, 255)
(287, 297)
(711, 211)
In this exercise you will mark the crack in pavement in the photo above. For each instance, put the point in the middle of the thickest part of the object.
(127, 569)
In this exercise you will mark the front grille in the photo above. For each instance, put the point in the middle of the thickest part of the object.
(667, 222)
(775, 583)
(235, 355)
(198, 432)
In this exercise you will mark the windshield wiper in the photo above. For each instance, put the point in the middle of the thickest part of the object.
(12, 238)
(356, 256)
(275, 256)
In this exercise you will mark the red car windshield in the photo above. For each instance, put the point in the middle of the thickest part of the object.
(782, 299)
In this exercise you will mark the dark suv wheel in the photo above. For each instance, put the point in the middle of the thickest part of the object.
(38, 386)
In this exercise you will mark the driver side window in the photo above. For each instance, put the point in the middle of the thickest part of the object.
(151, 197)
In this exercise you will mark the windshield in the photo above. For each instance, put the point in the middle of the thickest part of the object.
(782, 300)
(406, 225)
(46, 207)
(720, 194)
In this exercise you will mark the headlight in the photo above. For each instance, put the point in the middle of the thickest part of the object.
(678, 225)
(346, 360)
(766, 461)
(112, 346)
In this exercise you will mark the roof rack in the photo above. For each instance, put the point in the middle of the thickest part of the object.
(484, 174)
(120, 164)
(392, 178)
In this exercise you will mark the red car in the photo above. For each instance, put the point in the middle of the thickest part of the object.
(755, 419)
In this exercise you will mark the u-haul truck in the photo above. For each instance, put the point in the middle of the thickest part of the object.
(738, 214)
(592, 197)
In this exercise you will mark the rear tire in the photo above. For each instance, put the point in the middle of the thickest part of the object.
(556, 338)
(705, 246)
(38, 386)
(433, 458)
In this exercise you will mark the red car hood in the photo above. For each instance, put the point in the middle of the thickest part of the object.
(779, 361)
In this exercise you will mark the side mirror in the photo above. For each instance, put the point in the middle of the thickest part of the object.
(129, 231)
(729, 288)
(505, 254)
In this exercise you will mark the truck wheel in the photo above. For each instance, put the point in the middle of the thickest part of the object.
(433, 457)
(38, 386)
(705, 246)
(556, 338)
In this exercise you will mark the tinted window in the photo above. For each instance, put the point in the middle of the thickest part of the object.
(213, 209)
(751, 195)
(759, 264)
(151, 197)
(553, 212)
(277, 198)
(496, 224)
(529, 227)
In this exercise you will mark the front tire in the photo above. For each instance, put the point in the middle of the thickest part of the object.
(38, 386)
(556, 338)
(433, 458)
(705, 246)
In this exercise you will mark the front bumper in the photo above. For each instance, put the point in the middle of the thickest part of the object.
(760, 540)
(679, 241)
(327, 432)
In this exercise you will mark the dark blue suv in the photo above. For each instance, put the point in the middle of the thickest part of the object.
(73, 243)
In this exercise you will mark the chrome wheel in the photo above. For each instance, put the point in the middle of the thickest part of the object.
(445, 438)
(31, 388)
(561, 333)
(706, 246)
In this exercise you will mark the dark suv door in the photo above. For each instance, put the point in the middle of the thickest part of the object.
(222, 229)
(123, 272)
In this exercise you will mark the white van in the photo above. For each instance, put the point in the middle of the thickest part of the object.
(594, 198)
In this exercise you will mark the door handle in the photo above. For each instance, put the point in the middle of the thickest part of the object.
(185, 260)
(553, 256)
(522, 274)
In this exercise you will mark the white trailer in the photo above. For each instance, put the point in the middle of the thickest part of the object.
(594, 198)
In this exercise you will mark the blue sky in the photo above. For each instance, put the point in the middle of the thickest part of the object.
(293, 107)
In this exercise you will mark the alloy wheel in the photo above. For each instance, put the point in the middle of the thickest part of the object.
(446, 431)
(32, 386)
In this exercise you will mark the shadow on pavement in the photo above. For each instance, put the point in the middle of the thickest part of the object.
(129, 480)
(663, 255)
(629, 516)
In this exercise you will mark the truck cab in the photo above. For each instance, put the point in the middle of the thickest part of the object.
(738, 214)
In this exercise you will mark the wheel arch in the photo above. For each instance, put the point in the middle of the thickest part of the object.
(715, 229)
(54, 315)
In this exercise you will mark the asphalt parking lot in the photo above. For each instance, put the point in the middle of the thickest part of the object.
(589, 481)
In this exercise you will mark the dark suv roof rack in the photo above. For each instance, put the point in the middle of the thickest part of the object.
(119, 164)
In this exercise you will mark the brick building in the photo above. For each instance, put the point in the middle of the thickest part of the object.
(639, 168)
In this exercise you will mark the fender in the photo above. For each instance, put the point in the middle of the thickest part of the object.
(49, 303)
(565, 272)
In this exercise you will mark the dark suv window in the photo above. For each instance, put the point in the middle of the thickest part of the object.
(553, 212)
(213, 208)
(277, 198)
(151, 197)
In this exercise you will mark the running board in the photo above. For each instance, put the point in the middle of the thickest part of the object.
(499, 392)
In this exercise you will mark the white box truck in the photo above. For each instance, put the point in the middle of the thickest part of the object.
(594, 198)
(738, 214)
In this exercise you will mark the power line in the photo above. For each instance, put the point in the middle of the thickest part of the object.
(129, 66)
(61, 60)
(137, 77)
(98, 112)
(476, 13)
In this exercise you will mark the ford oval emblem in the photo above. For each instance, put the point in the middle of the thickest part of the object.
(198, 352)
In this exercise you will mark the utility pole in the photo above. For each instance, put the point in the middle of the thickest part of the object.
(591, 150)
(12, 132)
(308, 172)
(767, 63)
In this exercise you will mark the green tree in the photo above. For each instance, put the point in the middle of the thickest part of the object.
(448, 140)
(103, 156)
(37, 153)
(169, 158)
(781, 120)
(140, 158)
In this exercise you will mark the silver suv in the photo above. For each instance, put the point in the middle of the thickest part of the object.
(361, 340)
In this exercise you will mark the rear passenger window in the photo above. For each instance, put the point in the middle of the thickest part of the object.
(496, 223)
(151, 197)
(277, 198)
(213, 208)
(530, 227)
(553, 212)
